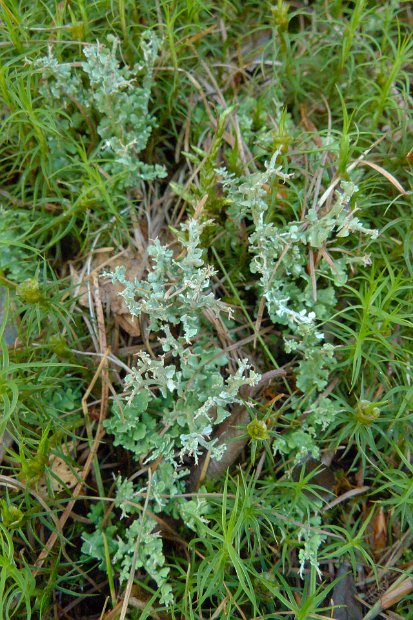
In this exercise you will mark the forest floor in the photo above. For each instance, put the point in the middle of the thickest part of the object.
(206, 293)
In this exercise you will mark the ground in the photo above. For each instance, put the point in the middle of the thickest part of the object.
(205, 305)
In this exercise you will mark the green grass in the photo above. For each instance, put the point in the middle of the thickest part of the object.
(326, 83)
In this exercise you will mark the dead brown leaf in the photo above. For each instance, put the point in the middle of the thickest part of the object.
(102, 261)
(379, 532)
(396, 593)
(62, 476)
(231, 433)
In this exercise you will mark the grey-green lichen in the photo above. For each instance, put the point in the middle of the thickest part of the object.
(118, 95)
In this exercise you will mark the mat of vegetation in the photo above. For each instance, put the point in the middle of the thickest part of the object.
(206, 300)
